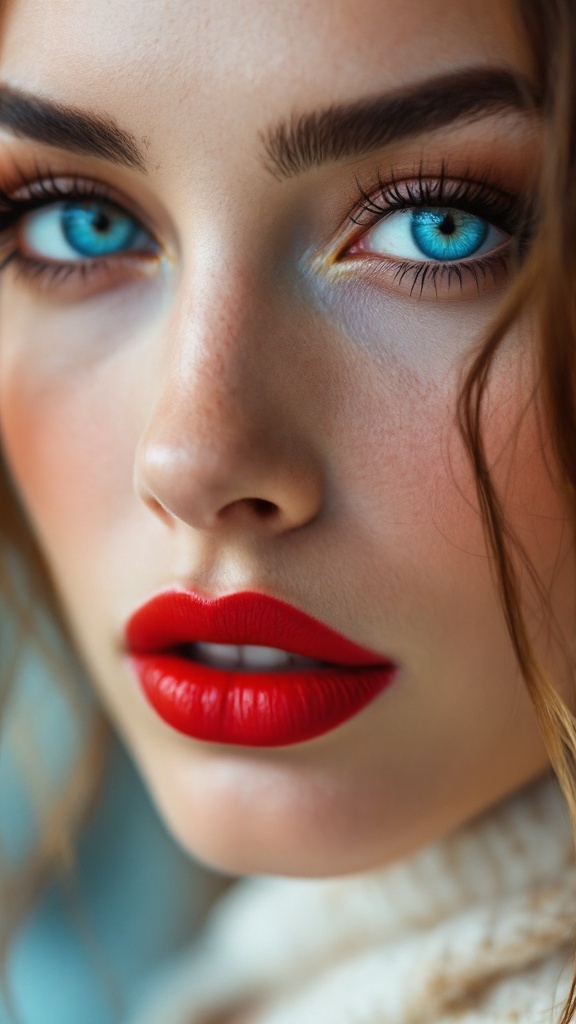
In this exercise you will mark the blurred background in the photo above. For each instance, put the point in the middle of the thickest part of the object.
(133, 898)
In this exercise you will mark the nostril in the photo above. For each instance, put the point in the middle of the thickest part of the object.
(264, 509)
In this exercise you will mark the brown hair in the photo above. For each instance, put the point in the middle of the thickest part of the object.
(547, 278)
(546, 282)
(31, 619)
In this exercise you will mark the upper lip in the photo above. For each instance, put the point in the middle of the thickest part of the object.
(178, 616)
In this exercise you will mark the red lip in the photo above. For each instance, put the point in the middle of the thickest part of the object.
(255, 708)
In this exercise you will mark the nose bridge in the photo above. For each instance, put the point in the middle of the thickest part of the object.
(212, 390)
(220, 440)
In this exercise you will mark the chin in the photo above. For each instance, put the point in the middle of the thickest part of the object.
(244, 820)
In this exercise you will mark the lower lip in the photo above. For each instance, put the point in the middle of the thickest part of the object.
(256, 709)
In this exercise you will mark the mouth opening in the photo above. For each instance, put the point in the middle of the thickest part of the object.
(245, 657)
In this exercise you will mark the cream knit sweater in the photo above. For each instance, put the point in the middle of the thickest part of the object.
(477, 928)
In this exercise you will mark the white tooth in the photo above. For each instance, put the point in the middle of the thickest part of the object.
(263, 657)
(224, 655)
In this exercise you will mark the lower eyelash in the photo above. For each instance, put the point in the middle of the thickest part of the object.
(428, 273)
(30, 269)
(45, 274)
(415, 276)
(51, 273)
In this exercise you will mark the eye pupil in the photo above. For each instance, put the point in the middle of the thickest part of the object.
(101, 223)
(448, 227)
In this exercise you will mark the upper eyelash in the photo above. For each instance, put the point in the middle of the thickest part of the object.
(43, 190)
(473, 195)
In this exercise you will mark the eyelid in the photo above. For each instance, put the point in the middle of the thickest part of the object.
(478, 196)
(45, 185)
(80, 278)
(495, 239)
(35, 223)
(480, 193)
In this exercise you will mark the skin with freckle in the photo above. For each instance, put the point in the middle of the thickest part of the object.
(142, 406)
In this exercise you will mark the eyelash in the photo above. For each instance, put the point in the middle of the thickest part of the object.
(504, 210)
(45, 190)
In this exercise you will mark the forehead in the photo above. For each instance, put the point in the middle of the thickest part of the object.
(156, 61)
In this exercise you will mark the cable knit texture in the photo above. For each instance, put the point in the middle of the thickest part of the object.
(477, 928)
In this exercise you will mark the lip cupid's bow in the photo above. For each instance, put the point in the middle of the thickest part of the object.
(248, 669)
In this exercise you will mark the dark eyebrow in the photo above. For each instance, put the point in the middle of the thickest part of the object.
(70, 128)
(356, 129)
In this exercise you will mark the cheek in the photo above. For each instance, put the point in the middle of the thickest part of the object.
(410, 359)
(406, 471)
(410, 478)
(67, 424)
(61, 443)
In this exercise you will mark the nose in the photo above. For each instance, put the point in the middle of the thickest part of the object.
(229, 442)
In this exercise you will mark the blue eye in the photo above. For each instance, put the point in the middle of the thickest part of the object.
(439, 234)
(95, 229)
(447, 234)
(82, 229)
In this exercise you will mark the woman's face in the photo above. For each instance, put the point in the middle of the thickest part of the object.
(242, 376)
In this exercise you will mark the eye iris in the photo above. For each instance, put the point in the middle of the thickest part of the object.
(97, 229)
(445, 234)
